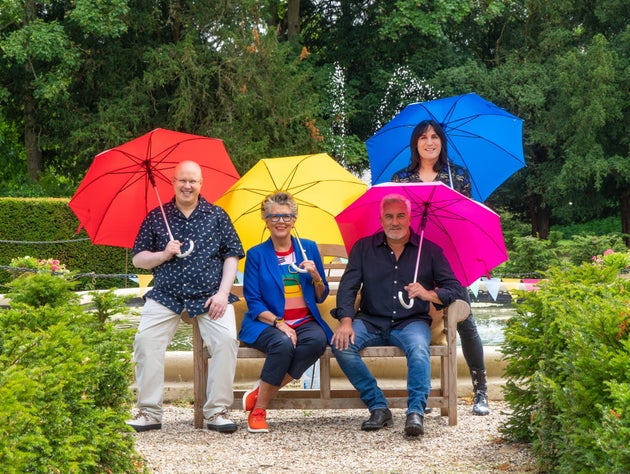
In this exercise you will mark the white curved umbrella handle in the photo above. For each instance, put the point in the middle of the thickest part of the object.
(404, 304)
(189, 251)
(297, 269)
(304, 257)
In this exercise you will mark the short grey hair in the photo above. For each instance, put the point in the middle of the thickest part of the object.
(279, 197)
(392, 198)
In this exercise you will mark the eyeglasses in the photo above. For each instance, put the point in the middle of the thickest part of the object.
(275, 218)
(192, 182)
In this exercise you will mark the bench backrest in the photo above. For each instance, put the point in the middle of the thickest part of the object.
(335, 258)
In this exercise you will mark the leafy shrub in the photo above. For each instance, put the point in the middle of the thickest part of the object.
(528, 255)
(583, 247)
(107, 304)
(64, 384)
(606, 225)
(512, 227)
(40, 265)
(568, 370)
(41, 288)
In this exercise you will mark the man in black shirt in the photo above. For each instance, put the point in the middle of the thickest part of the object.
(380, 266)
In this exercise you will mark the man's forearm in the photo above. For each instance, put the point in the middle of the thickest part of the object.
(230, 266)
(149, 260)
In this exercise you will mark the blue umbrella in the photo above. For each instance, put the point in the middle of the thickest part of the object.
(483, 138)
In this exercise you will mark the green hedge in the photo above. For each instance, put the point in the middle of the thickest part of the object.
(49, 220)
(568, 370)
(64, 383)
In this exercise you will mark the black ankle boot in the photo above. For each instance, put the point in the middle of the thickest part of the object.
(480, 387)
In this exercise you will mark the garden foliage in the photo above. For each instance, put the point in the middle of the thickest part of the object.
(568, 370)
(64, 383)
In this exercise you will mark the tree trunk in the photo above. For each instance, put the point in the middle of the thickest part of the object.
(624, 205)
(539, 218)
(293, 18)
(34, 160)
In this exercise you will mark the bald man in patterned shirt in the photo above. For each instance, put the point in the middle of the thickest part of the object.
(198, 284)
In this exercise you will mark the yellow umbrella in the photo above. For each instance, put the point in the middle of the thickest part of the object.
(321, 187)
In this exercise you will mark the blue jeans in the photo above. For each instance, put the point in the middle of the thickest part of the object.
(414, 340)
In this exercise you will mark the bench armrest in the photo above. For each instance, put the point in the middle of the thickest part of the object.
(458, 310)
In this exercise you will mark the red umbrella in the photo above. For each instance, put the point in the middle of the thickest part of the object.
(124, 183)
(468, 232)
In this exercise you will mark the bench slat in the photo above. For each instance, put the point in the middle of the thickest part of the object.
(374, 351)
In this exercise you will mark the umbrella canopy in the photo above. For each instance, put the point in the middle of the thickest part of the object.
(124, 183)
(468, 232)
(483, 138)
(320, 186)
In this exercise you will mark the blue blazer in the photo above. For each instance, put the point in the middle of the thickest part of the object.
(263, 289)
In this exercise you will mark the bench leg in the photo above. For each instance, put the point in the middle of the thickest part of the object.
(444, 383)
(451, 379)
(324, 376)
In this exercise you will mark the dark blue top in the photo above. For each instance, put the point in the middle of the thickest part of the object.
(186, 283)
(458, 178)
(372, 263)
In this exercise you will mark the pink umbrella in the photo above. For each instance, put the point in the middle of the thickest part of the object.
(468, 232)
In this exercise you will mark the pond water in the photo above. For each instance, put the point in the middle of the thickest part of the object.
(490, 319)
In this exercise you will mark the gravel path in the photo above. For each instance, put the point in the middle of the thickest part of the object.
(330, 441)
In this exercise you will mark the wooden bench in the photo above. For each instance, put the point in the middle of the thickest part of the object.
(443, 346)
(443, 397)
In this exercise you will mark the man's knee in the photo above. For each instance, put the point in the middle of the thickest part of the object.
(144, 342)
(352, 352)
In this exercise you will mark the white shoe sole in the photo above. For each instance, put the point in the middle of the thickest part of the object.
(261, 430)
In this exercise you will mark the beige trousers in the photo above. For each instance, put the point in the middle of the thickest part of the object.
(155, 332)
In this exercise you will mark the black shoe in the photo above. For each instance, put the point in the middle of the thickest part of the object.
(480, 404)
(428, 410)
(379, 418)
(414, 426)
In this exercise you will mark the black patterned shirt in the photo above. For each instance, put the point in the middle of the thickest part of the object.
(186, 283)
(461, 179)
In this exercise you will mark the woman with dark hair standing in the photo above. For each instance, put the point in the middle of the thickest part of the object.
(429, 163)
(429, 160)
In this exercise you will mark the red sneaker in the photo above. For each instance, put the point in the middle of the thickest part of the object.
(250, 397)
(257, 421)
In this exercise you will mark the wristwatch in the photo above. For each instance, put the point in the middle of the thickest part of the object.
(276, 321)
